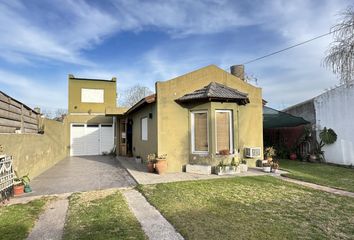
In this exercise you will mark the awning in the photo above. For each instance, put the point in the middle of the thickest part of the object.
(277, 119)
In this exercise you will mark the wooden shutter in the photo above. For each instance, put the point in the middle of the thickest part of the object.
(200, 132)
(222, 131)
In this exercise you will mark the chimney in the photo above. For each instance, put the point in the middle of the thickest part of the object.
(238, 71)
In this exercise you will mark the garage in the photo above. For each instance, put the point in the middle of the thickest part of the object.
(91, 139)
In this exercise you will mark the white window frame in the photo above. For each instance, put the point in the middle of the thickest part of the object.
(144, 137)
(193, 133)
(92, 95)
(231, 140)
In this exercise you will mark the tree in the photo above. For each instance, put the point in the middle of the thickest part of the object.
(134, 94)
(340, 55)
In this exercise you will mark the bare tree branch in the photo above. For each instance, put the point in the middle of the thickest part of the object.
(134, 94)
(340, 55)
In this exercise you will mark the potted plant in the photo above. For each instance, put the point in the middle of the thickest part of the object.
(137, 159)
(235, 166)
(269, 153)
(243, 165)
(293, 156)
(266, 167)
(224, 152)
(220, 169)
(161, 164)
(21, 185)
(150, 162)
(275, 166)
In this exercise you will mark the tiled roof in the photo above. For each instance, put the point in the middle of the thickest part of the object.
(215, 92)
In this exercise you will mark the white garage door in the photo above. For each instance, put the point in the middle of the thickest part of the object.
(91, 139)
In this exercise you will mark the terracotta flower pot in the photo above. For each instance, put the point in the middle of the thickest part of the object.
(293, 156)
(150, 167)
(161, 166)
(18, 190)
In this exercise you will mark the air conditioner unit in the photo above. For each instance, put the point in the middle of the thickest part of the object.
(252, 152)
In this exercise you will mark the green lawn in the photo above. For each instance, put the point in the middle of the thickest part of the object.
(323, 174)
(252, 208)
(16, 221)
(101, 215)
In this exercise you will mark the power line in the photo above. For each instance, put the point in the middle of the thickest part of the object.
(287, 48)
(293, 46)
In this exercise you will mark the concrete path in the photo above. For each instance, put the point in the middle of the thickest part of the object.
(77, 174)
(153, 223)
(319, 187)
(50, 225)
(141, 176)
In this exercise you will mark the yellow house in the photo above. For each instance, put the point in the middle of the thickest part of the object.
(91, 130)
(194, 118)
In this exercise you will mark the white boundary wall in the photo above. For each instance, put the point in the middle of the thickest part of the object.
(335, 109)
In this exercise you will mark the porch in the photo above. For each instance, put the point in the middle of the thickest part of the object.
(139, 172)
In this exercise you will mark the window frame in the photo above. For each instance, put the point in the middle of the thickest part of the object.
(147, 129)
(231, 140)
(193, 133)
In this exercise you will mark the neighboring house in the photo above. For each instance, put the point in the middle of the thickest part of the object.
(91, 127)
(193, 117)
(332, 109)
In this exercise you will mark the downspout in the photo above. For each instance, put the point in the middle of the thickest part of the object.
(238, 130)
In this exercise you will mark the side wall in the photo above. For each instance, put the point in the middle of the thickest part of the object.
(74, 99)
(143, 148)
(35, 153)
(173, 120)
(306, 110)
(334, 109)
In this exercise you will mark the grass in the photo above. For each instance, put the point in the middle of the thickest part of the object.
(101, 215)
(252, 208)
(319, 173)
(16, 221)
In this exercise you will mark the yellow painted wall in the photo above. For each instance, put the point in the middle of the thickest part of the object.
(173, 130)
(74, 94)
(35, 153)
(143, 148)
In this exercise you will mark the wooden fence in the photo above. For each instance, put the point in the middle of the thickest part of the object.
(15, 117)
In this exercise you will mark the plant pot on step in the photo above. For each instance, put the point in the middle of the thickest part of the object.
(293, 156)
(150, 167)
(161, 166)
(19, 189)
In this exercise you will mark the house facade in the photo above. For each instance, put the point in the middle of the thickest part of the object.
(194, 118)
(90, 127)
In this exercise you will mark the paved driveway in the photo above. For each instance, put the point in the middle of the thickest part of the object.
(77, 174)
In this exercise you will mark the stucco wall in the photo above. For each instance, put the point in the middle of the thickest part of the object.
(306, 110)
(74, 95)
(334, 109)
(173, 129)
(143, 148)
(35, 153)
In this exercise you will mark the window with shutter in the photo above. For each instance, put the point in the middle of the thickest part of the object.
(200, 143)
(223, 126)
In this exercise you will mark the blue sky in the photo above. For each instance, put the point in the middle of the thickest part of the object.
(41, 42)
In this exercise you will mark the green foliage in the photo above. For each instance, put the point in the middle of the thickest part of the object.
(24, 180)
(269, 152)
(328, 136)
(233, 162)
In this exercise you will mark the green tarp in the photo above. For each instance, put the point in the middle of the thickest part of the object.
(277, 119)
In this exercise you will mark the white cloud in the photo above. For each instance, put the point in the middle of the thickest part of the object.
(31, 92)
(24, 39)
